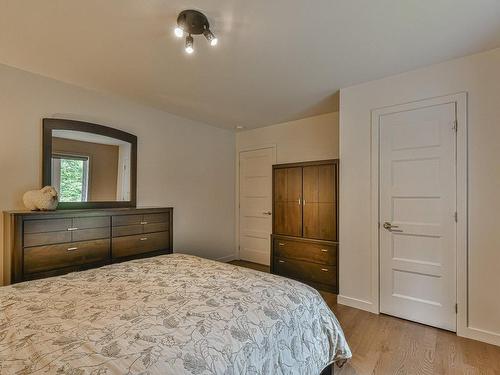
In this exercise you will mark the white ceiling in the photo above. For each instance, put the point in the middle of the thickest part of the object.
(276, 61)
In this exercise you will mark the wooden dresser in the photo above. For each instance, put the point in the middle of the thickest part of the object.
(305, 214)
(42, 244)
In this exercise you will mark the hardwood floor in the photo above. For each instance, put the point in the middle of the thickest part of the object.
(384, 345)
(254, 266)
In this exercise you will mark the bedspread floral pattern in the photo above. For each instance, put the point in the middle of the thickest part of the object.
(172, 314)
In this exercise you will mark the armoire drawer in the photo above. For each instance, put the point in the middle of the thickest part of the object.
(139, 244)
(305, 271)
(44, 258)
(305, 251)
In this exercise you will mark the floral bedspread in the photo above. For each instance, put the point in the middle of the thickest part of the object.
(172, 314)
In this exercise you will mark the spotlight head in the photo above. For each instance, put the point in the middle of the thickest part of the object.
(179, 33)
(189, 44)
(210, 37)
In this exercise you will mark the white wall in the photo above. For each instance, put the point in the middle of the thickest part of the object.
(479, 76)
(312, 138)
(181, 163)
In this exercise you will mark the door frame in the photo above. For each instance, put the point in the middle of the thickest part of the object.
(460, 100)
(237, 190)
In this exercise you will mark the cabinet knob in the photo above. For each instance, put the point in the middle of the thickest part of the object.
(281, 261)
(72, 248)
(144, 222)
(72, 229)
(324, 250)
(281, 243)
(324, 269)
(144, 239)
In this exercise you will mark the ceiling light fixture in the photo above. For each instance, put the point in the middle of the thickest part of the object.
(192, 22)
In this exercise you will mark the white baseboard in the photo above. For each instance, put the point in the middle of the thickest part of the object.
(478, 334)
(228, 258)
(356, 303)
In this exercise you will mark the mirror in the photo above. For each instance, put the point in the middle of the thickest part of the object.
(90, 165)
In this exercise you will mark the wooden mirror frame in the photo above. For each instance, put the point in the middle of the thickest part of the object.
(50, 124)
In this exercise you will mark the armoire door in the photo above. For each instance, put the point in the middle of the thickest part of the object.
(288, 201)
(319, 202)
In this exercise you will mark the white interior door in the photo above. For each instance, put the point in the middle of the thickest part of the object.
(417, 215)
(256, 204)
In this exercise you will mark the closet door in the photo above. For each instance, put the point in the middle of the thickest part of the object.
(319, 202)
(288, 201)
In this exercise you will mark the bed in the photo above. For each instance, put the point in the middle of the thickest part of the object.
(171, 314)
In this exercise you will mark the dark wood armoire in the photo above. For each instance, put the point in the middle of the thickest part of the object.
(304, 243)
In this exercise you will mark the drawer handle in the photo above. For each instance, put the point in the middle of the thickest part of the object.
(281, 244)
(324, 269)
(324, 250)
(281, 261)
(72, 229)
(144, 239)
(72, 248)
(144, 222)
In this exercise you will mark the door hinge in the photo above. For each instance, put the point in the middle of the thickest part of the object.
(456, 308)
(455, 125)
(456, 217)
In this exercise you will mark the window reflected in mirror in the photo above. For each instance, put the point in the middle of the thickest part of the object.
(88, 167)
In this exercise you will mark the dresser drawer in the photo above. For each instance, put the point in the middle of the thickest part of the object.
(130, 230)
(127, 230)
(127, 220)
(92, 222)
(46, 225)
(305, 251)
(156, 227)
(140, 224)
(140, 244)
(44, 258)
(90, 234)
(305, 271)
(156, 218)
(49, 238)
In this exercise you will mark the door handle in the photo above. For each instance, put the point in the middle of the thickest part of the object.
(267, 213)
(390, 227)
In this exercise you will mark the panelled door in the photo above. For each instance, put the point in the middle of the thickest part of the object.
(417, 215)
(256, 204)
(319, 202)
(288, 201)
